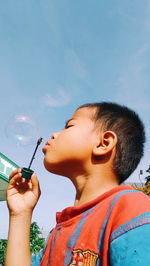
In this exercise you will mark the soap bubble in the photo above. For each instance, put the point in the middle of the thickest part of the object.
(22, 129)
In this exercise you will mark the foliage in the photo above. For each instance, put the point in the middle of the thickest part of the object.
(146, 187)
(3, 244)
(36, 242)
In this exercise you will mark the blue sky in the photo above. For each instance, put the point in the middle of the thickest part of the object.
(56, 55)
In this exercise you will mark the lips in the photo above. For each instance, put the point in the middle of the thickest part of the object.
(47, 144)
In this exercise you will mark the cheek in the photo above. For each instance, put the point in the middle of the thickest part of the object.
(50, 159)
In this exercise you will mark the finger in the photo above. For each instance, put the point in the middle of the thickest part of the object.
(16, 178)
(35, 185)
(16, 171)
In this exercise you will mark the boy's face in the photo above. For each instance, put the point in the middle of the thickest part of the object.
(69, 151)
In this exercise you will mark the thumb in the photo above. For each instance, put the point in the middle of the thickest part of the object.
(35, 185)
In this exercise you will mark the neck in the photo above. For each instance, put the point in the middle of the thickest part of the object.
(91, 186)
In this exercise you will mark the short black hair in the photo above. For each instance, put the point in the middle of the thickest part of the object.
(130, 133)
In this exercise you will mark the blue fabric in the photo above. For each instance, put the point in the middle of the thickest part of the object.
(137, 221)
(131, 248)
(36, 259)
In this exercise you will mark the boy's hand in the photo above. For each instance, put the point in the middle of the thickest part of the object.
(22, 195)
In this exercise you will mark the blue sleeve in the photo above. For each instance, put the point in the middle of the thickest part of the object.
(36, 259)
(131, 248)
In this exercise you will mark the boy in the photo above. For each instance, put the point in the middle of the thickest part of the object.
(109, 224)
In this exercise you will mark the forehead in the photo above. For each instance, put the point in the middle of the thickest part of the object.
(84, 112)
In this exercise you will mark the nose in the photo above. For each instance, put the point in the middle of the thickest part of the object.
(54, 135)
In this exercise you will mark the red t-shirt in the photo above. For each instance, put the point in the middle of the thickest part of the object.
(83, 234)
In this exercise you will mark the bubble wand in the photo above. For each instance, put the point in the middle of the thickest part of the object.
(27, 172)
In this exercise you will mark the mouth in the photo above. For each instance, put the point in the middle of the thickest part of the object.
(47, 144)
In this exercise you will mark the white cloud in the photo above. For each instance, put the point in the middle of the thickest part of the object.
(59, 97)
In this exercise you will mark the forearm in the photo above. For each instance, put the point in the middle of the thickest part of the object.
(18, 246)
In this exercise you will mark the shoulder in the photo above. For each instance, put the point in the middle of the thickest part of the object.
(132, 247)
(127, 205)
(133, 198)
(131, 209)
(130, 229)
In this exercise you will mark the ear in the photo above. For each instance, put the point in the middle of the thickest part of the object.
(106, 142)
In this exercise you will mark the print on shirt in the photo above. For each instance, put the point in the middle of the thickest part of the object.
(83, 258)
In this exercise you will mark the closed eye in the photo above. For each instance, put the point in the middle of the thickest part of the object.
(67, 126)
(68, 123)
